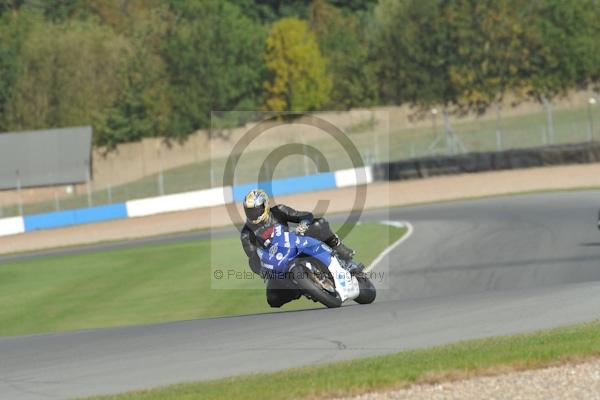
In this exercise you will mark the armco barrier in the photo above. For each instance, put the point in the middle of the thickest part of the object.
(183, 201)
(74, 217)
(179, 202)
(492, 161)
(11, 226)
(408, 169)
(353, 177)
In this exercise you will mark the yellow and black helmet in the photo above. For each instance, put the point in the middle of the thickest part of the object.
(256, 206)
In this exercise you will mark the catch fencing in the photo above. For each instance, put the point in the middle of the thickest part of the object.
(423, 140)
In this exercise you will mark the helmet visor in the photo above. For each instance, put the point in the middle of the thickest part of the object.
(254, 213)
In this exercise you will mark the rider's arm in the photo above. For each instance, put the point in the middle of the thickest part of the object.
(250, 249)
(288, 214)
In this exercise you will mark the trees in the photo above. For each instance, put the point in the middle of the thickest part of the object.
(70, 74)
(298, 78)
(412, 52)
(138, 68)
(341, 38)
(495, 42)
(13, 32)
(214, 61)
(468, 54)
(269, 11)
(143, 107)
(568, 54)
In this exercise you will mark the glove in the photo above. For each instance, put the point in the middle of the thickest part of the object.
(302, 227)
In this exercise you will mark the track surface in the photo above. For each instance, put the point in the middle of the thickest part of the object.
(471, 269)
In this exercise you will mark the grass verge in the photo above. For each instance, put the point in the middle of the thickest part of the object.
(471, 358)
(154, 283)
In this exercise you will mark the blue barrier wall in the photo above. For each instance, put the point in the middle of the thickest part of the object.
(280, 187)
(277, 187)
(74, 217)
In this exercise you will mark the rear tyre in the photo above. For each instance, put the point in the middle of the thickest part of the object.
(367, 290)
(307, 282)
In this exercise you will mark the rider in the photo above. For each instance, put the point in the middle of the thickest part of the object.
(260, 221)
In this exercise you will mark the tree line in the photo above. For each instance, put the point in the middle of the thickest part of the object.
(140, 68)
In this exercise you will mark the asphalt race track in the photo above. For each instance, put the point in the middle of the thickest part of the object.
(471, 269)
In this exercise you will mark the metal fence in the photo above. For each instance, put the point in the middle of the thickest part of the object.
(437, 134)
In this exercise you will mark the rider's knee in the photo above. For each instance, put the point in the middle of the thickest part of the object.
(274, 300)
(274, 304)
(278, 297)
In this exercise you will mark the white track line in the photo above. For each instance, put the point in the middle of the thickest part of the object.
(397, 224)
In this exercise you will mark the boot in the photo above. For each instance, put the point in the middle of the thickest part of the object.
(340, 249)
(344, 252)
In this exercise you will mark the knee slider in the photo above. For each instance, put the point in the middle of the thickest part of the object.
(274, 300)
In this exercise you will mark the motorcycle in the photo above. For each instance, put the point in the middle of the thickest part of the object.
(311, 266)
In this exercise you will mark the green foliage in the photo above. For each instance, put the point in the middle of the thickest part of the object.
(468, 54)
(13, 32)
(140, 68)
(412, 52)
(568, 56)
(8, 6)
(355, 5)
(213, 55)
(269, 11)
(340, 39)
(143, 108)
(494, 43)
(298, 76)
(57, 10)
(70, 74)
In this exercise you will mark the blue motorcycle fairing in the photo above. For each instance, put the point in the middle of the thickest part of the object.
(284, 246)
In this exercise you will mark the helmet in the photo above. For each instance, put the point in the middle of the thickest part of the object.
(256, 206)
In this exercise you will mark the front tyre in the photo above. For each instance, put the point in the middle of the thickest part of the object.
(367, 290)
(310, 284)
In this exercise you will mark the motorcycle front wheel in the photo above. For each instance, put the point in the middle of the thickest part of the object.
(312, 285)
(367, 290)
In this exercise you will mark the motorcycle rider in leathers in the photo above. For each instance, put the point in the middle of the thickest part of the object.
(260, 221)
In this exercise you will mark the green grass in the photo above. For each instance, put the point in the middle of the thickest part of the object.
(570, 124)
(397, 370)
(144, 285)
